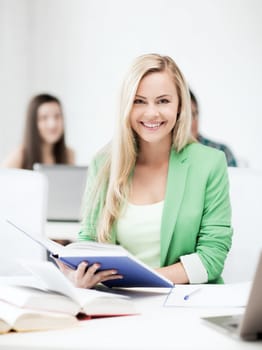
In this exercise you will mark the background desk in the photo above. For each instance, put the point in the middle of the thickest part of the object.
(156, 328)
(62, 230)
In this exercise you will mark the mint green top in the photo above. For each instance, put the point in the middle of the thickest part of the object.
(196, 216)
(138, 230)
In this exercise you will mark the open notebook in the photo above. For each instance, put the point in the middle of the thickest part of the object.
(247, 326)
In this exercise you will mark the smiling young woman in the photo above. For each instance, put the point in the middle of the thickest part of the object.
(154, 189)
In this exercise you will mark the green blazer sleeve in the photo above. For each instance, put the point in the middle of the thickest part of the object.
(89, 222)
(197, 211)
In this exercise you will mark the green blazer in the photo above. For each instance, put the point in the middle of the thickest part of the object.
(197, 213)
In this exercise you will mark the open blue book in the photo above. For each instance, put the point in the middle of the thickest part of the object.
(110, 256)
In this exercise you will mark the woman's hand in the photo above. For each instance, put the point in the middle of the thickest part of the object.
(87, 276)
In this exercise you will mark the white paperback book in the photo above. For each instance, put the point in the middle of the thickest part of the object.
(20, 319)
(52, 291)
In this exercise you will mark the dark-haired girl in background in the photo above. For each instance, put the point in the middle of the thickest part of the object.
(44, 136)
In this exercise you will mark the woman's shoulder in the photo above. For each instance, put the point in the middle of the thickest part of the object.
(101, 157)
(203, 159)
(199, 152)
(14, 159)
(70, 155)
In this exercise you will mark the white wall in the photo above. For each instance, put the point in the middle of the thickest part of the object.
(15, 53)
(80, 50)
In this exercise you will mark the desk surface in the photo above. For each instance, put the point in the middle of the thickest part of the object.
(155, 328)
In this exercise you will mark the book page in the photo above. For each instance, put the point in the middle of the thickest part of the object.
(48, 244)
(88, 301)
(90, 248)
(54, 280)
(4, 326)
(37, 299)
(98, 247)
(21, 319)
(106, 304)
(209, 295)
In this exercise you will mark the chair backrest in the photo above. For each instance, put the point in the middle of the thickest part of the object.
(23, 200)
(246, 197)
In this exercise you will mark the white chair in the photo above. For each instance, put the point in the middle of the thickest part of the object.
(23, 200)
(246, 197)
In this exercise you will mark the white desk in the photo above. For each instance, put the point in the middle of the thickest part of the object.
(156, 328)
(62, 230)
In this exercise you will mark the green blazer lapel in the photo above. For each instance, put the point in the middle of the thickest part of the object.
(176, 181)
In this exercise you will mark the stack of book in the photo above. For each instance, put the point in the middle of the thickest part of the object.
(55, 302)
(58, 303)
(21, 319)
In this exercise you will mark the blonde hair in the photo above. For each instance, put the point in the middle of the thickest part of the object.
(120, 156)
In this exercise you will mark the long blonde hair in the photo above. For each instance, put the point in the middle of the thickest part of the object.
(111, 186)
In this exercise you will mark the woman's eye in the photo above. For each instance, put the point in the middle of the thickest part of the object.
(138, 101)
(163, 100)
(42, 118)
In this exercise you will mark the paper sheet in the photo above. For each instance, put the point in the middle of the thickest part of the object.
(209, 295)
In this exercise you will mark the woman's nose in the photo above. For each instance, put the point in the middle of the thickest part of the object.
(51, 122)
(151, 110)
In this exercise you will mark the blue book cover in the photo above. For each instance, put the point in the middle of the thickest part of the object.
(135, 273)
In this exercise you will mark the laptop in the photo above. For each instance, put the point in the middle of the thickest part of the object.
(66, 186)
(23, 196)
(247, 326)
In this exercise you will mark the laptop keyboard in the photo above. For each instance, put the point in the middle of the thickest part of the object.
(235, 320)
(232, 321)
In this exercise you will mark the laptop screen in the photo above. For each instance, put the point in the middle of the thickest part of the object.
(66, 185)
(248, 325)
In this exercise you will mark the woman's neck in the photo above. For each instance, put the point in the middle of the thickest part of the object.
(47, 153)
(154, 154)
